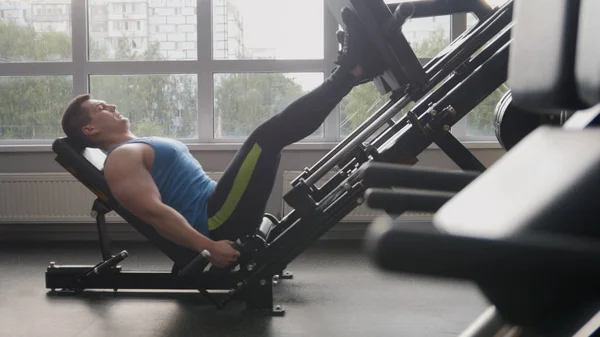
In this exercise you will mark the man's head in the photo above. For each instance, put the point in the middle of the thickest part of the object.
(93, 123)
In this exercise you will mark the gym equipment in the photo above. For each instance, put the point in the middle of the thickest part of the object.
(86, 166)
(445, 90)
(587, 65)
(399, 188)
(512, 124)
(543, 80)
(525, 230)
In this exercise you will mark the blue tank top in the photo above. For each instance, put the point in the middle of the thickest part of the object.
(182, 182)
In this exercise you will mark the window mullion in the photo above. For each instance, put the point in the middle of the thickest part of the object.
(458, 25)
(79, 47)
(205, 69)
(332, 123)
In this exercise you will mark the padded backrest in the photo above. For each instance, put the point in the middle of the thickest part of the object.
(542, 55)
(86, 165)
(87, 171)
(587, 64)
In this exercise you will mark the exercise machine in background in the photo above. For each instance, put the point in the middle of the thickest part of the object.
(526, 230)
(444, 90)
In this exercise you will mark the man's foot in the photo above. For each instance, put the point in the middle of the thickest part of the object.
(358, 54)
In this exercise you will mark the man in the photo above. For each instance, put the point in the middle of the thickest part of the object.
(158, 180)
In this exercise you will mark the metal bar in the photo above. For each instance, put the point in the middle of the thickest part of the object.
(583, 118)
(474, 39)
(193, 67)
(459, 154)
(352, 138)
(67, 277)
(488, 324)
(300, 234)
(15, 69)
(98, 211)
(428, 8)
(297, 238)
(375, 174)
(571, 323)
(353, 143)
(420, 108)
(483, 81)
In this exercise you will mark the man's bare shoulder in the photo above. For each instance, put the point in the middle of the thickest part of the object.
(127, 157)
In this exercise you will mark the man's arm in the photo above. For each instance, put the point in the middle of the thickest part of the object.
(132, 185)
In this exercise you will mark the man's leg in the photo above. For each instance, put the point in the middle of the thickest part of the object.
(238, 203)
(239, 200)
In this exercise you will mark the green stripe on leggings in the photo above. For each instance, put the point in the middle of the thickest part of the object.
(240, 184)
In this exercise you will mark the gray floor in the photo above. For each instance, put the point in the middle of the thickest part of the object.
(335, 292)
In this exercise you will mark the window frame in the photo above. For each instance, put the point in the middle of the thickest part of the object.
(204, 67)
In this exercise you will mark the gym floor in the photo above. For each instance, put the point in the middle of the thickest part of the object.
(335, 292)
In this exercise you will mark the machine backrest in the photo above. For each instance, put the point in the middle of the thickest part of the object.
(87, 164)
(542, 55)
(587, 66)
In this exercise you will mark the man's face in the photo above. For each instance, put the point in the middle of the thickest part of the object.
(104, 118)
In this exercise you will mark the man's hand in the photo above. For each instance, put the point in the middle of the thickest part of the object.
(222, 254)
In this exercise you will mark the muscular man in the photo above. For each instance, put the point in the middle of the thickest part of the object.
(159, 181)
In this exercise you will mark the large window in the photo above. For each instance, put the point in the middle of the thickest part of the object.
(480, 120)
(479, 123)
(142, 31)
(37, 31)
(199, 71)
(156, 105)
(267, 29)
(29, 106)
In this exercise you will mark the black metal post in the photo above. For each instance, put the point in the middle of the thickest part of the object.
(99, 211)
(259, 298)
(459, 154)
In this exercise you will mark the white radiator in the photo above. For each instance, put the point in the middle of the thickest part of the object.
(60, 198)
(361, 213)
(49, 198)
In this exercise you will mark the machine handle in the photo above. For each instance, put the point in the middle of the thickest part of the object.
(197, 264)
(113, 261)
(378, 174)
(404, 200)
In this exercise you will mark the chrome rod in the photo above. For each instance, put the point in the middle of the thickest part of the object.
(352, 135)
(370, 129)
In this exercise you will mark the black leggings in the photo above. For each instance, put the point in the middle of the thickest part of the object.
(238, 202)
